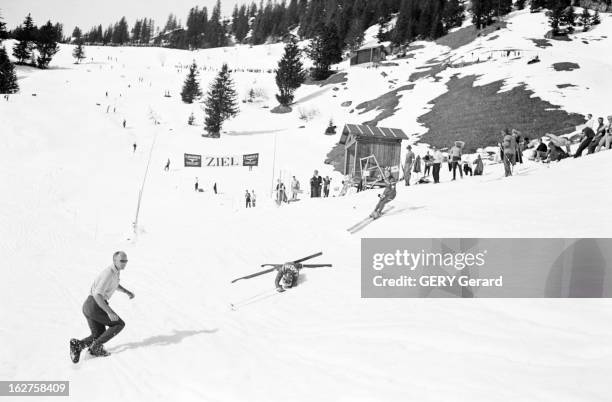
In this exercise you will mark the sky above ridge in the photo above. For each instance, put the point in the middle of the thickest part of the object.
(87, 13)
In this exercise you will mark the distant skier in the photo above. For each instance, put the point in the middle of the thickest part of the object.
(215, 188)
(286, 277)
(134, 145)
(124, 121)
(167, 167)
(99, 314)
(197, 185)
(253, 198)
(387, 195)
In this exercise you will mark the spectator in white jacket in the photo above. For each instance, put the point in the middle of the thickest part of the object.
(436, 163)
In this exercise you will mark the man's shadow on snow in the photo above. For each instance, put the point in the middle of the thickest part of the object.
(161, 340)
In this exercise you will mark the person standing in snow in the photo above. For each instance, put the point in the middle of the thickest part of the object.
(508, 151)
(455, 155)
(315, 185)
(387, 195)
(437, 162)
(478, 170)
(326, 183)
(253, 198)
(98, 312)
(124, 121)
(196, 185)
(295, 188)
(247, 197)
(427, 160)
(167, 167)
(408, 164)
(215, 188)
(134, 145)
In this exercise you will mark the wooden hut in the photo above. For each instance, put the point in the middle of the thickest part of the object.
(361, 141)
(373, 52)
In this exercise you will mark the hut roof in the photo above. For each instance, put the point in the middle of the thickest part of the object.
(360, 131)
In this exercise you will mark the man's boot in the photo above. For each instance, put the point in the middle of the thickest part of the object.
(98, 350)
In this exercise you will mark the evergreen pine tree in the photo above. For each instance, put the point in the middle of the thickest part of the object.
(595, 20)
(569, 18)
(355, 35)
(191, 87)
(585, 19)
(3, 33)
(325, 49)
(220, 102)
(25, 36)
(453, 14)
(79, 52)
(554, 19)
(8, 78)
(520, 4)
(290, 73)
(46, 45)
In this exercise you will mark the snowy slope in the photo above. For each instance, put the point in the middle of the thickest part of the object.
(71, 185)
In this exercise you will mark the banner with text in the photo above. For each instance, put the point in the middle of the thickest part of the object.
(498, 267)
(221, 161)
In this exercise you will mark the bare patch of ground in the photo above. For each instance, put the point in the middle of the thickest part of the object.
(476, 115)
(565, 66)
(337, 78)
(387, 103)
(561, 86)
(541, 43)
(466, 35)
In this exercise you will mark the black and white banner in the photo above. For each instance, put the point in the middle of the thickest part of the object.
(192, 160)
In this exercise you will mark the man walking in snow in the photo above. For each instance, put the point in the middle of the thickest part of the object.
(315, 185)
(247, 197)
(98, 312)
(167, 167)
(437, 162)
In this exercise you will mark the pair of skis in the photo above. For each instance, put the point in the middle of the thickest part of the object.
(365, 222)
(269, 293)
(296, 263)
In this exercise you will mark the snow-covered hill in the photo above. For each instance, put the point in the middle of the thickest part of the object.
(71, 183)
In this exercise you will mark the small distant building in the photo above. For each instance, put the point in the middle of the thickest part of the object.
(361, 141)
(371, 52)
(167, 38)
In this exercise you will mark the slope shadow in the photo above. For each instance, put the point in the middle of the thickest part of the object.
(160, 340)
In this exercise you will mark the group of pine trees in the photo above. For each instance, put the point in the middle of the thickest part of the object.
(8, 78)
(220, 103)
(562, 17)
(36, 45)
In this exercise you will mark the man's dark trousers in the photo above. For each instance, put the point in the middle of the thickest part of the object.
(98, 320)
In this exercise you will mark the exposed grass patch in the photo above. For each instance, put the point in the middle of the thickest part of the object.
(561, 86)
(565, 66)
(432, 71)
(463, 36)
(493, 37)
(337, 78)
(387, 103)
(541, 43)
(476, 115)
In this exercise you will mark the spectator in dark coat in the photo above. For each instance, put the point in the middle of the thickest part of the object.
(587, 135)
(541, 151)
(315, 185)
